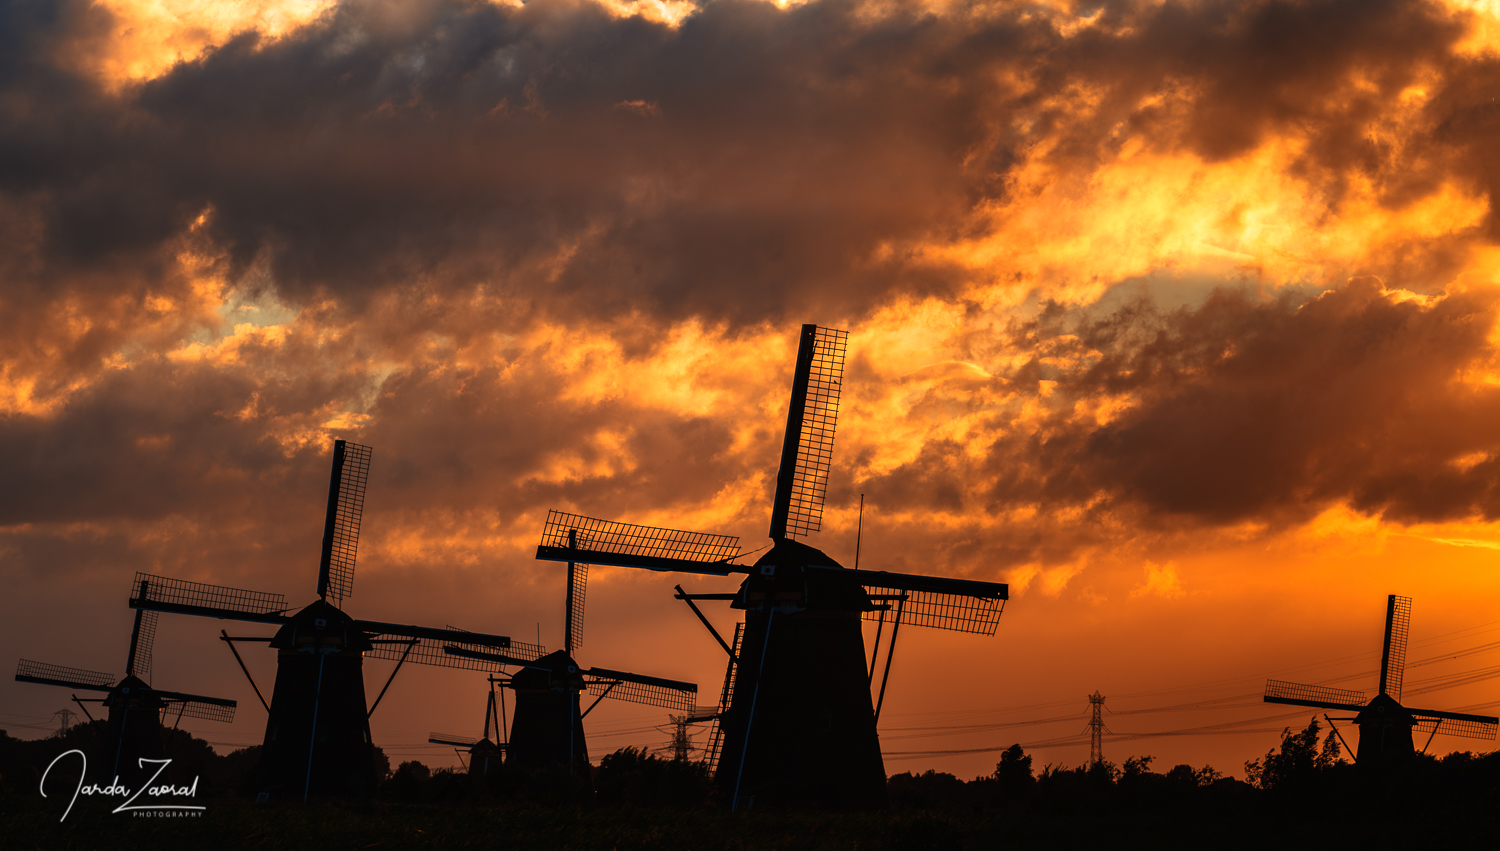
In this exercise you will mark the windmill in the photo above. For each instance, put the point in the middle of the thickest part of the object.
(547, 728)
(133, 731)
(1385, 726)
(318, 731)
(484, 753)
(796, 724)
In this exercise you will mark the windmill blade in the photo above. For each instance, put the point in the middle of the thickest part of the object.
(488, 659)
(346, 505)
(177, 596)
(635, 688)
(450, 739)
(1393, 655)
(1323, 697)
(142, 638)
(578, 580)
(961, 605)
(589, 540)
(392, 639)
(58, 675)
(1456, 724)
(807, 447)
(198, 706)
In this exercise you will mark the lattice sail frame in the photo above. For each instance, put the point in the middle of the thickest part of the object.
(956, 612)
(1456, 727)
(1397, 630)
(429, 651)
(820, 416)
(633, 691)
(578, 581)
(198, 709)
(629, 539)
(140, 664)
(1332, 697)
(162, 589)
(345, 509)
(64, 676)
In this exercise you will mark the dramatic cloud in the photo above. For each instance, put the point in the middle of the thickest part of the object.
(1128, 284)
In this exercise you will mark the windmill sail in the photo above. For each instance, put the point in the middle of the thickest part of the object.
(451, 739)
(164, 594)
(635, 688)
(578, 580)
(346, 504)
(807, 446)
(961, 605)
(1456, 724)
(431, 648)
(589, 540)
(60, 675)
(178, 704)
(1393, 655)
(1322, 697)
(491, 661)
(142, 637)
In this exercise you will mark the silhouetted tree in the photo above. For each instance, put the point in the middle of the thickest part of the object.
(1298, 760)
(1013, 773)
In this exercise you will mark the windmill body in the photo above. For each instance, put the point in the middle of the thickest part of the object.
(1386, 727)
(547, 726)
(317, 739)
(133, 728)
(797, 726)
(800, 726)
(318, 730)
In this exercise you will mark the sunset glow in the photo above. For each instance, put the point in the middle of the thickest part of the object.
(1178, 317)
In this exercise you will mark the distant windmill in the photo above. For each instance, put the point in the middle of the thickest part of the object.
(484, 753)
(318, 733)
(1385, 726)
(797, 724)
(134, 729)
(547, 728)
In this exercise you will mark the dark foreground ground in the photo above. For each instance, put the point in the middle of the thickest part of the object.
(1299, 797)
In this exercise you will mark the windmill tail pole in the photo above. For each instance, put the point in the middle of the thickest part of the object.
(224, 637)
(739, 775)
(1346, 744)
(312, 742)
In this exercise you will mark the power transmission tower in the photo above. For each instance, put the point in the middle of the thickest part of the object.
(1096, 729)
(681, 744)
(66, 716)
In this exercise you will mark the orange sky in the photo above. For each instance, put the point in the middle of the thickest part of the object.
(1178, 317)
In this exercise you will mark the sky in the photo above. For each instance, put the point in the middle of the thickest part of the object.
(1178, 317)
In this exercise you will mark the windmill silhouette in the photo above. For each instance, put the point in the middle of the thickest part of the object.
(318, 731)
(133, 730)
(484, 753)
(547, 727)
(1385, 725)
(797, 725)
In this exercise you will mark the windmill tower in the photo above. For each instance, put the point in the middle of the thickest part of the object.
(318, 731)
(799, 724)
(134, 727)
(547, 727)
(1385, 726)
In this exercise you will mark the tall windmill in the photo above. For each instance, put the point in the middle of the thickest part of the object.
(1385, 725)
(547, 727)
(798, 724)
(134, 729)
(318, 731)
